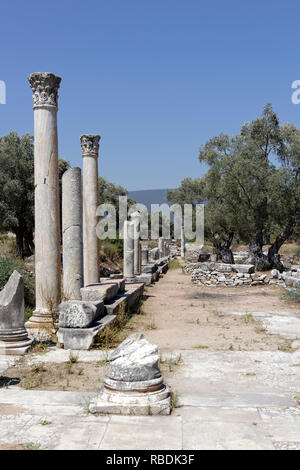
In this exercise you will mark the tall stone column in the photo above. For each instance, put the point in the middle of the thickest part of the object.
(47, 221)
(135, 218)
(182, 242)
(72, 234)
(90, 149)
(128, 258)
(161, 246)
(145, 255)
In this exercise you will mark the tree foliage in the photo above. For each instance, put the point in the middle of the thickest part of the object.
(17, 188)
(251, 187)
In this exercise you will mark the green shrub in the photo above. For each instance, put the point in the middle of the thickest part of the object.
(296, 252)
(174, 264)
(7, 266)
(292, 295)
(111, 249)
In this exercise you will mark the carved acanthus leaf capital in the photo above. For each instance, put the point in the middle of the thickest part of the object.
(90, 144)
(45, 88)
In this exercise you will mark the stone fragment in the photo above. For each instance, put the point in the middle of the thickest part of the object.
(295, 344)
(135, 359)
(295, 267)
(133, 384)
(243, 268)
(154, 254)
(13, 335)
(79, 314)
(105, 291)
(274, 273)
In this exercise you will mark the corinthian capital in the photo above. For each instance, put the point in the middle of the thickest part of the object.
(45, 88)
(90, 144)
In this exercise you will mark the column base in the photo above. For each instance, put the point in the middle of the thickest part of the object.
(127, 401)
(41, 325)
(15, 342)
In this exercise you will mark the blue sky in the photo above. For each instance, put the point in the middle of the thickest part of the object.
(155, 78)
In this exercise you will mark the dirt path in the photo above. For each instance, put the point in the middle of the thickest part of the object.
(177, 314)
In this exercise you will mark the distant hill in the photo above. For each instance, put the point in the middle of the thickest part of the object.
(149, 196)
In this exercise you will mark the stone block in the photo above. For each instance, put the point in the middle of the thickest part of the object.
(103, 291)
(291, 281)
(149, 268)
(243, 268)
(146, 278)
(82, 338)
(79, 313)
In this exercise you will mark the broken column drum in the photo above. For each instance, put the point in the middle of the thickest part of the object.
(133, 384)
(128, 234)
(72, 234)
(13, 335)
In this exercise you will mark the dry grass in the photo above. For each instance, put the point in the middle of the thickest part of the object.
(70, 376)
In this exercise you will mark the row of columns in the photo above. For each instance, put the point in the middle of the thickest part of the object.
(135, 255)
(79, 205)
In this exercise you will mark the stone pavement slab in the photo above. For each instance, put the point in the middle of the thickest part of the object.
(237, 378)
(229, 400)
(285, 324)
(143, 432)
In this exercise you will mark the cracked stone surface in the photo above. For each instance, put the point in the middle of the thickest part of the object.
(228, 400)
(285, 324)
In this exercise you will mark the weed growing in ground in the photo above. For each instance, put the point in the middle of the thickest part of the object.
(73, 358)
(292, 295)
(174, 264)
(174, 400)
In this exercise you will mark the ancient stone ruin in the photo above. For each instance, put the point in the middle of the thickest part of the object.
(85, 303)
(72, 234)
(47, 221)
(133, 384)
(13, 335)
(230, 275)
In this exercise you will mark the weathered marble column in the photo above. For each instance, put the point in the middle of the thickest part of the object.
(182, 242)
(90, 149)
(145, 255)
(135, 218)
(161, 246)
(47, 221)
(128, 259)
(72, 234)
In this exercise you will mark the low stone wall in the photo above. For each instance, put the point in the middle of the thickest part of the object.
(231, 275)
(195, 253)
(174, 250)
(240, 256)
(292, 277)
